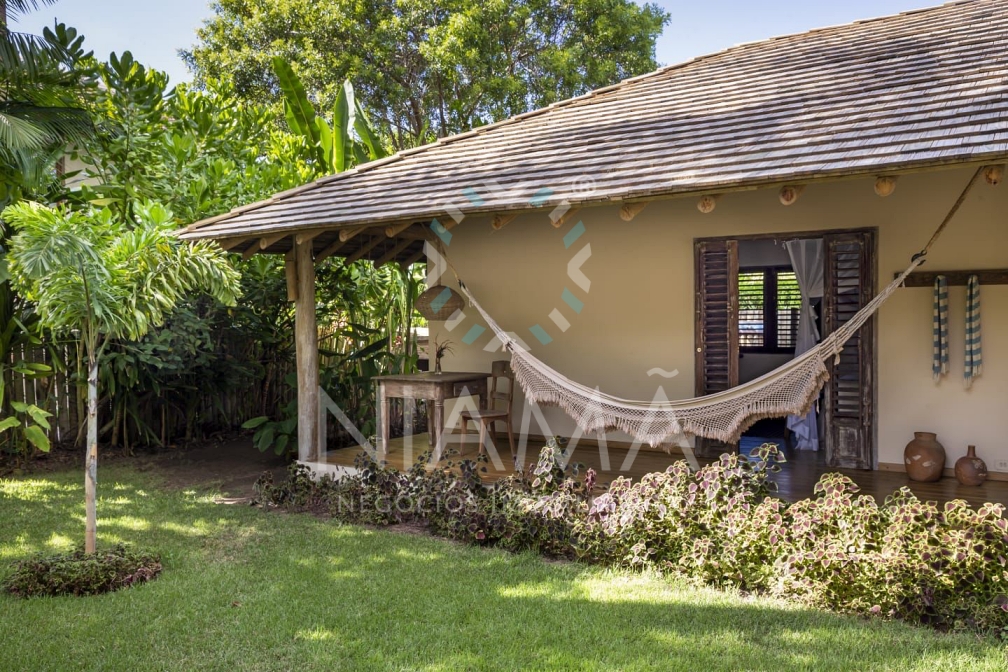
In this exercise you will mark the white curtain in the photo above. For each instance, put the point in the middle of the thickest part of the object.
(808, 260)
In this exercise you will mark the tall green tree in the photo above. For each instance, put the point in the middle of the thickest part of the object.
(93, 274)
(426, 68)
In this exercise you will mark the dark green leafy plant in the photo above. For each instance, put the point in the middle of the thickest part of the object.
(80, 573)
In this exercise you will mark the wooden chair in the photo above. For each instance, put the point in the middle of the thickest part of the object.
(488, 417)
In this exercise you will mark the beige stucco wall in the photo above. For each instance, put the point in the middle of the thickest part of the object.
(638, 310)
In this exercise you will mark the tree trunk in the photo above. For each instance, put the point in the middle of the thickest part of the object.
(91, 461)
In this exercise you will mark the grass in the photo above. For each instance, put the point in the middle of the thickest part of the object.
(245, 589)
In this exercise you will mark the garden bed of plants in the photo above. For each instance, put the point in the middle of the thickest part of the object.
(80, 573)
(942, 566)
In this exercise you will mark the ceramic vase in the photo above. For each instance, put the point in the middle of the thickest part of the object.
(924, 457)
(970, 469)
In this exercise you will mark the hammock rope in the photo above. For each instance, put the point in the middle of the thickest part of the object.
(791, 389)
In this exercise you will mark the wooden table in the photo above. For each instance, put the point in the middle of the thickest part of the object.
(434, 387)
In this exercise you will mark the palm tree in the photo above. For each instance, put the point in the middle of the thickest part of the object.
(41, 81)
(100, 279)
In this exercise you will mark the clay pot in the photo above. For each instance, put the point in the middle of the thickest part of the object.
(924, 457)
(970, 469)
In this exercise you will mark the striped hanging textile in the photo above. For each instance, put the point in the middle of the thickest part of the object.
(940, 362)
(974, 354)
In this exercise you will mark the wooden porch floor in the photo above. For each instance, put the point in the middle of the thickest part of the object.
(796, 480)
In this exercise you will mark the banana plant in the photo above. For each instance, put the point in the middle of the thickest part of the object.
(350, 139)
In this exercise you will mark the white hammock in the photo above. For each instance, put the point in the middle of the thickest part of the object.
(788, 390)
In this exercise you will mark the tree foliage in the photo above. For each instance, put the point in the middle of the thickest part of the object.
(42, 79)
(89, 272)
(198, 152)
(333, 148)
(428, 69)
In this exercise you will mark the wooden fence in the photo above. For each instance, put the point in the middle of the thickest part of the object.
(202, 416)
(61, 395)
(56, 394)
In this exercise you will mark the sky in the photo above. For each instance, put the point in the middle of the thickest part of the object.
(154, 30)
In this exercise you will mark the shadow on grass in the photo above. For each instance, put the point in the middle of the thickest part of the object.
(247, 589)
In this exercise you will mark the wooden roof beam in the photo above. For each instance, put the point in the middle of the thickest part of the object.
(885, 185)
(391, 254)
(230, 243)
(367, 247)
(412, 260)
(267, 241)
(789, 193)
(329, 251)
(994, 173)
(565, 217)
(308, 236)
(630, 210)
(347, 234)
(394, 230)
(250, 250)
(499, 221)
(707, 203)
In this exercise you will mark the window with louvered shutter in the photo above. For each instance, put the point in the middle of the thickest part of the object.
(769, 303)
(752, 316)
(788, 307)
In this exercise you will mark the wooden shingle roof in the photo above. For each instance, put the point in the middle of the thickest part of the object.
(915, 90)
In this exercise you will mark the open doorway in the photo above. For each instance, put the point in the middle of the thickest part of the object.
(770, 303)
(748, 322)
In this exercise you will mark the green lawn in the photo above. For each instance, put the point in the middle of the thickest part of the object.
(248, 590)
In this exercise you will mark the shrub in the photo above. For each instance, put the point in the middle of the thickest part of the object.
(946, 566)
(80, 573)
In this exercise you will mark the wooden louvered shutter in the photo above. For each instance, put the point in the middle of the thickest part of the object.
(716, 322)
(850, 391)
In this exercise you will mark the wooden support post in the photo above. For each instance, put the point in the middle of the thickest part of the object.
(367, 247)
(347, 234)
(789, 193)
(500, 221)
(290, 271)
(329, 251)
(631, 210)
(306, 344)
(391, 254)
(266, 241)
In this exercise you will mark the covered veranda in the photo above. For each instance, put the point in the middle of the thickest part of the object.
(390, 210)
